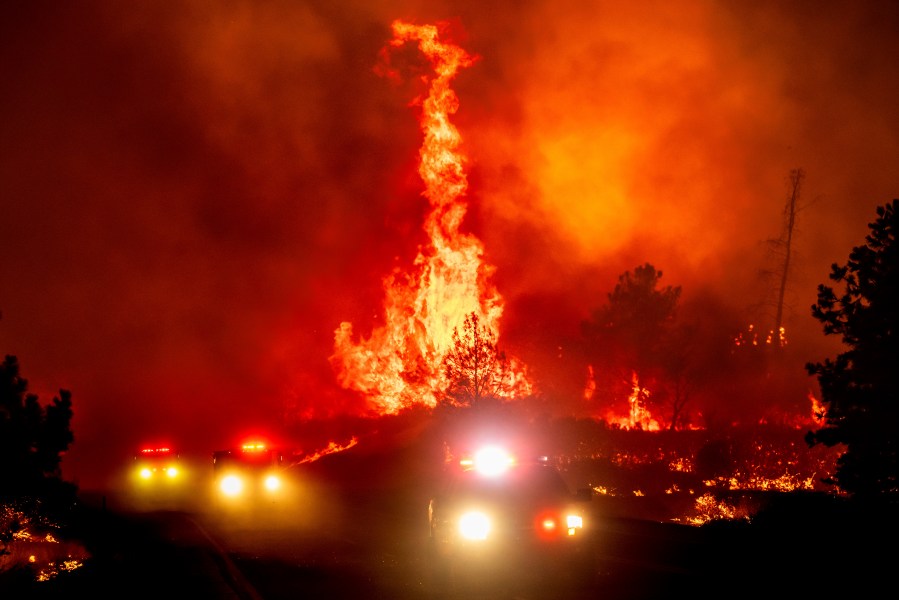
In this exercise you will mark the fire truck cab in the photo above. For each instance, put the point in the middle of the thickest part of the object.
(156, 477)
(249, 474)
(156, 466)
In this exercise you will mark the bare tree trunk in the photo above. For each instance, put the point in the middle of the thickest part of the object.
(796, 176)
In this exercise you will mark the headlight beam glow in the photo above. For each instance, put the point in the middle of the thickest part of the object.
(474, 525)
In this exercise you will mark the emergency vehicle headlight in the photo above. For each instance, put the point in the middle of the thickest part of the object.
(492, 461)
(272, 483)
(231, 485)
(575, 523)
(474, 525)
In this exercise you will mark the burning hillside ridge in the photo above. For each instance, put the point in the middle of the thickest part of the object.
(401, 364)
(686, 476)
(692, 476)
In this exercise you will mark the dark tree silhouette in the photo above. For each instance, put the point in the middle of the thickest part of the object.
(627, 336)
(32, 437)
(678, 359)
(860, 387)
(477, 371)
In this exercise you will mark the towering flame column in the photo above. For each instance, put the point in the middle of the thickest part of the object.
(399, 365)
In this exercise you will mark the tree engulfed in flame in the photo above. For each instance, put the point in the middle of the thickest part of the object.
(819, 411)
(639, 410)
(400, 364)
(638, 414)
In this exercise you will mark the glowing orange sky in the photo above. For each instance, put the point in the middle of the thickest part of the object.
(193, 199)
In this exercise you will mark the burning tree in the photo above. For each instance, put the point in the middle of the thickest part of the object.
(859, 388)
(476, 370)
(628, 338)
(400, 365)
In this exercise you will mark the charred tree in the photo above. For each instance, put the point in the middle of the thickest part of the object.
(782, 253)
(796, 176)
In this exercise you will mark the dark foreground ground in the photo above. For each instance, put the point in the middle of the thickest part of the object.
(797, 545)
(127, 555)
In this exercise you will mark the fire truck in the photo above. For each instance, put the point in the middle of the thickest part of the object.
(156, 467)
(157, 477)
(497, 510)
(250, 474)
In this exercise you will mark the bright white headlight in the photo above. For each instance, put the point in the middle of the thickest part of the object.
(474, 525)
(574, 523)
(492, 461)
(231, 485)
(272, 483)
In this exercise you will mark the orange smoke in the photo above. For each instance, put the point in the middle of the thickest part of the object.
(400, 364)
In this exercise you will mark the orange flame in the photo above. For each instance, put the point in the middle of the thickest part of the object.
(399, 365)
(639, 411)
(819, 411)
(332, 448)
(751, 338)
(590, 387)
(638, 414)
